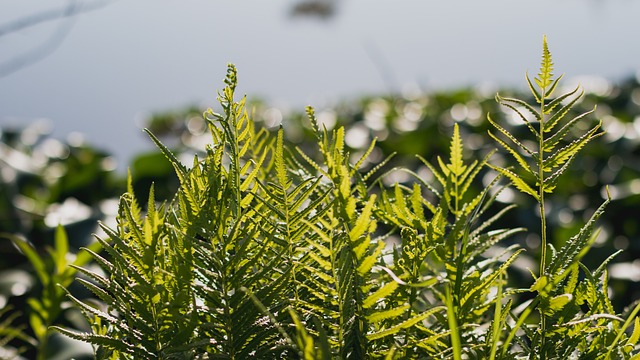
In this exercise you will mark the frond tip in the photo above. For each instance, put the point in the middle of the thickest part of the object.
(546, 68)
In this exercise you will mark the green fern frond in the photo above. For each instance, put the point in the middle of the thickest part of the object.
(378, 166)
(545, 75)
(560, 135)
(563, 111)
(533, 89)
(383, 292)
(519, 159)
(177, 165)
(439, 176)
(577, 245)
(570, 150)
(456, 164)
(511, 104)
(486, 282)
(517, 181)
(510, 137)
(404, 324)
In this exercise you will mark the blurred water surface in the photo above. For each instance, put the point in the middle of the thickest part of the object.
(118, 63)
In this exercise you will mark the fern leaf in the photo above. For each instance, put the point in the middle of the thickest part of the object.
(545, 76)
(417, 202)
(562, 155)
(379, 316)
(364, 220)
(560, 114)
(551, 89)
(378, 166)
(517, 181)
(456, 163)
(405, 324)
(569, 252)
(509, 102)
(440, 177)
(552, 180)
(181, 171)
(486, 282)
(367, 262)
(384, 291)
(510, 136)
(621, 331)
(364, 156)
(280, 168)
(312, 163)
(533, 90)
(521, 161)
(552, 141)
(635, 335)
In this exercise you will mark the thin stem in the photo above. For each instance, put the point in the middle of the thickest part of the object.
(543, 218)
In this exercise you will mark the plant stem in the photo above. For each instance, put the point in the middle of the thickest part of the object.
(543, 218)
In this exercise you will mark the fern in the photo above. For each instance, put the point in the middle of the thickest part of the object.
(565, 328)
(267, 251)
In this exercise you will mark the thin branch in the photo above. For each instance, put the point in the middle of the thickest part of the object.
(54, 41)
(72, 9)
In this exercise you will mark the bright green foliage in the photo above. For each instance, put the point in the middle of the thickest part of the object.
(269, 252)
(54, 272)
(442, 257)
(565, 287)
(9, 330)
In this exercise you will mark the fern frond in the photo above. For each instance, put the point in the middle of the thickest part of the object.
(545, 76)
(378, 166)
(517, 181)
(404, 324)
(181, 171)
(486, 282)
(569, 252)
(519, 159)
(510, 136)
(380, 316)
(511, 102)
(439, 176)
(570, 150)
(551, 122)
(456, 163)
(533, 90)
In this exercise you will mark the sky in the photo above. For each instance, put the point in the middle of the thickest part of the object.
(118, 64)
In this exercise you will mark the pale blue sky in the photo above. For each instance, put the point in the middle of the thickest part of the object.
(133, 57)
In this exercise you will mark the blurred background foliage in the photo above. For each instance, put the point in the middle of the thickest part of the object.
(45, 182)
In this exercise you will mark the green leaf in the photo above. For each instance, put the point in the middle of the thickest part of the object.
(557, 303)
(559, 115)
(564, 154)
(488, 280)
(384, 291)
(456, 344)
(457, 165)
(279, 157)
(575, 247)
(61, 249)
(379, 316)
(181, 171)
(521, 161)
(34, 258)
(509, 102)
(404, 324)
(545, 75)
(551, 142)
(511, 137)
(635, 335)
(364, 220)
(535, 92)
(517, 181)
